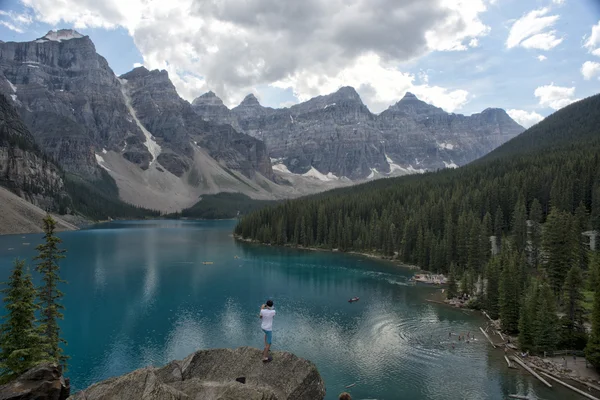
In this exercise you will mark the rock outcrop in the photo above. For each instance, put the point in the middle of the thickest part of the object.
(24, 169)
(222, 374)
(44, 382)
(338, 136)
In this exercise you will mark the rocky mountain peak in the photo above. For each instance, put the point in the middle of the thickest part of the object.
(250, 100)
(60, 35)
(347, 93)
(208, 99)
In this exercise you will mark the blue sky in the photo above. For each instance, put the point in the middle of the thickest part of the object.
(529, 57)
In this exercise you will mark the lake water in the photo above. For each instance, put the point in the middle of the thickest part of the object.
(139, 295)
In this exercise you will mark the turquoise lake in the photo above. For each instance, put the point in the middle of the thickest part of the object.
(139, 294)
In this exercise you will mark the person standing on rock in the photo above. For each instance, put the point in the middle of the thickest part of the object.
(266, 315)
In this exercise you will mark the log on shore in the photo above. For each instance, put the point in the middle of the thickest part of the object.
(508, 362)
(532, 372)
(488, 338)
(581, 392)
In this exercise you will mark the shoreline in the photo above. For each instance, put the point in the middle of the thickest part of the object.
(356, 253)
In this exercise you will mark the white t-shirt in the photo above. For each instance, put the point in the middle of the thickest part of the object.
(267, 319)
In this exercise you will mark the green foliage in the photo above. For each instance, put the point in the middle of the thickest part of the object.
(594, 271)
(535, 233)
(546, 321)
(572, 329)
(560, 246)
(21, 343)
(592, 350)
(510, 292)
(49, 295)
(527, 338)
(226, 205)
(493, 288)
(452, 290)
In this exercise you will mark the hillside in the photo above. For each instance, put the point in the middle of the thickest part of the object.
(445, 218)
(19, 216)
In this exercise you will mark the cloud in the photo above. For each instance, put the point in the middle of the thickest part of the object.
(542, 58)
(558, 2)
(378, 83)
(17, 21)
(524, 118)
(532, 31)
(137, 64)
(555, 97)
(593, 41)
(232, 47)
(590, 69)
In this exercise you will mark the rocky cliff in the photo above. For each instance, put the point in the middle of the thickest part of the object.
(161, 154)
(24, 169)
(337, 136)
(218, 374)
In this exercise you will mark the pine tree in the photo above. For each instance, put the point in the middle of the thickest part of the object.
(48, 293)
(499, 226)
(452, 290)
(592, 350)
(519, 226)
(527, 319)
(559, 247)
(21, 342)
(546, 321)
(594, 271)
(510, 294)
(535, 232)
(492, 288)
(573, 332)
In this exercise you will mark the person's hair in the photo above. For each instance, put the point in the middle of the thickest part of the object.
(345, 396)
(270, 303)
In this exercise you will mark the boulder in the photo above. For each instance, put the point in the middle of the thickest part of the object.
(44, 382)
(222, 374)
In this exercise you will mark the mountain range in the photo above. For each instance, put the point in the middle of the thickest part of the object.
(164, 153)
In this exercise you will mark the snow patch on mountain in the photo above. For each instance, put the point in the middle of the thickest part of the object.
(446, 146)
(150, 144)
(450, 164)
(328, 105)
(60, 35)
(281, 168)
(393, 167)
(13, 97)
(101, 162)
(314, 173)
(13, 87)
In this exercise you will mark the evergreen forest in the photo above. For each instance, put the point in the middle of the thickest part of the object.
(512, 230)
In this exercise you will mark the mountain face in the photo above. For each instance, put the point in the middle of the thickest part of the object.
(160, 152)
(338, 136)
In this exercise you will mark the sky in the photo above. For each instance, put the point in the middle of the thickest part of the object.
(530, 57)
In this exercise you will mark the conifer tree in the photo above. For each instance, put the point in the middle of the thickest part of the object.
(535, 232)
(546, 321)
(527, 318)
(21, 343)
(592, 349)
(509, 294)
(559, 248)
(49, 295)
(573, 330)
(499, 226)
(594, 271)
(492, 289)
(519, 226)
(452, 290)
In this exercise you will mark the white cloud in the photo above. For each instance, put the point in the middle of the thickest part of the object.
(593, 41)
(590, 69)
(524, 118)
(542, 58)
(555, 97)
(233, 47)
(532, 31)
(558, 1)
(135, 65)
(378, 83)
(474, 42)
(17, 23)
(11, 26)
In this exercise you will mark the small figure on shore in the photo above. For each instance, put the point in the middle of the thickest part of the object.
(266, 315)
(345, 396)
(574, 359)
(452, 346)
(564, 361)
(449, 334)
